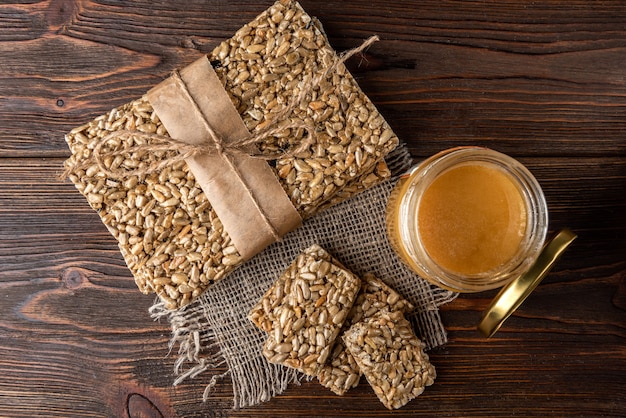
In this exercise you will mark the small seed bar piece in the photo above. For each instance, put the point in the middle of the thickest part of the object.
(263, 313)
(308, 321)
(391, 357)
(342, 372)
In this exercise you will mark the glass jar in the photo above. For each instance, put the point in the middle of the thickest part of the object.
(468, 219)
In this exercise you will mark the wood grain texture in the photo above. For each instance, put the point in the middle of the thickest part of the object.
(544, 81)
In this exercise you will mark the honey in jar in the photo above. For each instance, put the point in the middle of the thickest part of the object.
(467, 219)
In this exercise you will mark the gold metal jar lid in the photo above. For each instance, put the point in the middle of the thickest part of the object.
(513, 294)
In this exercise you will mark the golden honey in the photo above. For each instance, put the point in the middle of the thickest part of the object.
(467, 219)
(482, 209)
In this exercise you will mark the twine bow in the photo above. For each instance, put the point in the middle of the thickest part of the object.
(216, 144)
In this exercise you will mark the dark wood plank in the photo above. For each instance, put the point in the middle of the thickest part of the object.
(504, 81)
(543, 81)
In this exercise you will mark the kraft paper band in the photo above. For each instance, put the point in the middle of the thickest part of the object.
(243, 190)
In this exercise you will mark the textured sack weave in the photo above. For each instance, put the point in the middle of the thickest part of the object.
(354, 233)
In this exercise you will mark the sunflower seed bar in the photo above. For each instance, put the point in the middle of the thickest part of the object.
(169, 235)
(309, 319)
(342, 372)
(391, 357)
(263, 314)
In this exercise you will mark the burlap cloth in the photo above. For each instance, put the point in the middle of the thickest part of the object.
(214, 331)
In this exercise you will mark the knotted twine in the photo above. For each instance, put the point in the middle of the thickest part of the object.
(217, 144)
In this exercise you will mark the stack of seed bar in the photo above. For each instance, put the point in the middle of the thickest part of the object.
(169, 234)
(325, 322)
(341, 373)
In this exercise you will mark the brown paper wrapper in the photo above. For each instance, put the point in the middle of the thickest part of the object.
(243, 190)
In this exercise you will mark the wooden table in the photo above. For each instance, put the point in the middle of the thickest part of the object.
(544, 81)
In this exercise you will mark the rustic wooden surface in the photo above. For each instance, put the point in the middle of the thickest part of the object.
(544, 81)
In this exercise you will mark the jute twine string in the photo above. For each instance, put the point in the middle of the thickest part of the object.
(162, 143)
